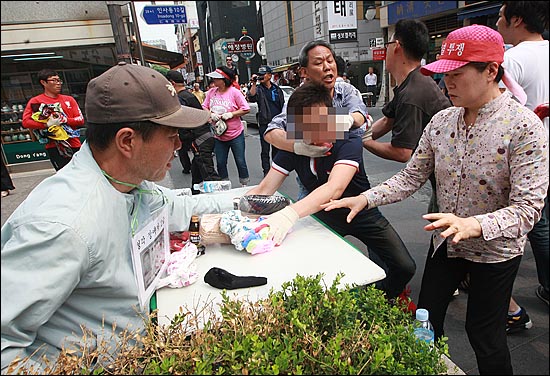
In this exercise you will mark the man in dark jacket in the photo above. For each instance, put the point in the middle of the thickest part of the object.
(199, 140)
(270, 101)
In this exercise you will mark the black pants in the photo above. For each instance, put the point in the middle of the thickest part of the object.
(183, 153)
(488, 298)
(59, 161)
(372, 89)
(7, 183)
(202, 166)
(265, 146)
(374, 230)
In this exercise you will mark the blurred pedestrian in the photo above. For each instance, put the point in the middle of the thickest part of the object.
(490, 158)
(342, 76)
(521, 24)
(7, 183)
(198, 92)
(371, 82)
(55, 119)
(226, 102)
(270, 99)
(199, 140)
(230, 64)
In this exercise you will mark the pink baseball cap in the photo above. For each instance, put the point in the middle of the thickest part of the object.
(475, 43)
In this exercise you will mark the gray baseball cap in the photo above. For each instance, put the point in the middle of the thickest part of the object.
(129, 93)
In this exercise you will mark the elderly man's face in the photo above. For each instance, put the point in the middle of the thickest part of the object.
(155, 156)
(321, 67)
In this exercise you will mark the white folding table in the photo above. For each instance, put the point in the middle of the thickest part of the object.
(309, 249)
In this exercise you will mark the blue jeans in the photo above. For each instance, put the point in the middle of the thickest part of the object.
(237, 146)
(374, 230)
(538, 237)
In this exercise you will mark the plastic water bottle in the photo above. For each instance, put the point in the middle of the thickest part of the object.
(423, 329)
(210, 186)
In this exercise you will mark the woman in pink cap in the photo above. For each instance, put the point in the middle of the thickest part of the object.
(490, 158)
(226, 102)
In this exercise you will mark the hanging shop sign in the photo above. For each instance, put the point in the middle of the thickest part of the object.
(342, 21)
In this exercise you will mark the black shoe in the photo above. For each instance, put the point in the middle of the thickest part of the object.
(542, 294)
(518, 322)
(186, 172)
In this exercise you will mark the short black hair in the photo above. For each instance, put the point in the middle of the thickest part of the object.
(100, 136)
(533, 13)
(413, 36)
(46, 73)
(177, 77)
(303, 59)
(340, 65)
(307, 95)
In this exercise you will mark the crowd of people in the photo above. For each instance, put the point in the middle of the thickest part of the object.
(481, 144)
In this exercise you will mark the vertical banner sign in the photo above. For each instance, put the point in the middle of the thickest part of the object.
(318, 32)
(342, 21)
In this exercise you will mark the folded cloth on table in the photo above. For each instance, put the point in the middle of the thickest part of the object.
(245, 233)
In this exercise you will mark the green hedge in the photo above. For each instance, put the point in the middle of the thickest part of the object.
(306, 328)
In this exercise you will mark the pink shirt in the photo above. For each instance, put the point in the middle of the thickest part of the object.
(496, 171)
(219, 103)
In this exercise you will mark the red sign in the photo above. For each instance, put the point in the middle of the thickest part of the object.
(240, 47)
(379, 54)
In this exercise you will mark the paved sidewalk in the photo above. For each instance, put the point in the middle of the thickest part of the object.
(529, 348)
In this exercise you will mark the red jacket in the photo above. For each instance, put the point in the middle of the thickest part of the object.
(70, 110)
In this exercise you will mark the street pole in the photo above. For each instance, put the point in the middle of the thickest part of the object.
(138, 35)
(119, 34)
(249, 70)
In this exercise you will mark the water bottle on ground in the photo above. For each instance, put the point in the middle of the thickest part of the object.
(423, 329)
(210, 186)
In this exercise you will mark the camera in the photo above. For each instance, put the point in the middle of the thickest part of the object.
(259, 80)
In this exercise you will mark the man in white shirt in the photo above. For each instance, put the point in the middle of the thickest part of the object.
(370, 81)
(522, 24)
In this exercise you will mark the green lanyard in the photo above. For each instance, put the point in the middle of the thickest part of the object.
(134, 223)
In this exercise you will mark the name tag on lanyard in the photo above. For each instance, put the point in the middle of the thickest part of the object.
(150, 252)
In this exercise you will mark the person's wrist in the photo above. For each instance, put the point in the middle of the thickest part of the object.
(290, 214)
(350, 121)
(364, 195)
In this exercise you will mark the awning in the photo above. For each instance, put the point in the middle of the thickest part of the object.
(169, 59)
(282, 68)
(484, 10)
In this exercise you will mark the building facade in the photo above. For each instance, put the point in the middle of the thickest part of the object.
(221, 23)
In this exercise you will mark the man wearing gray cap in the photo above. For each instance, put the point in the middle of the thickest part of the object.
(270, 99)
(68, 251)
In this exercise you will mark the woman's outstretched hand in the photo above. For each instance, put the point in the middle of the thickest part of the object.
(356, 204)
(461, 228)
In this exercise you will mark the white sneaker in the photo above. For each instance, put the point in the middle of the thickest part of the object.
(456, 293)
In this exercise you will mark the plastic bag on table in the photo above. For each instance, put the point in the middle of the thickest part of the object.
(181, 270)
(262, 204)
